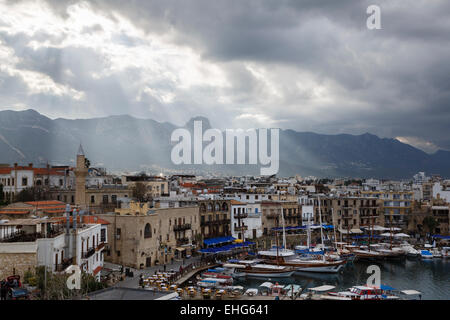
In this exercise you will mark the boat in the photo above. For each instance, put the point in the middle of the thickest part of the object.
(426, 254)
(255, 268)
(362, 254)
(288, 258)
(436, 253)
(446, 252)
(410, 251)
(365, 293)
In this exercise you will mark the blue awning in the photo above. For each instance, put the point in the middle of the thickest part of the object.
(214, 241)
(440, 236)
(386, 287)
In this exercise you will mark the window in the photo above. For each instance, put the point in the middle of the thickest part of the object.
(118, 253)
(103, 235)
(73, 199)
(61, 182)
(118, 233)
(105, 199)
(113, 198)
(92, 199)
(24, 181)
(147, 231)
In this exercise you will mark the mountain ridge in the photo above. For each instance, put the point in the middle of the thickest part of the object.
(126, 142)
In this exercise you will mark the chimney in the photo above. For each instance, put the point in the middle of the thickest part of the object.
(15, 165)
(30, 165)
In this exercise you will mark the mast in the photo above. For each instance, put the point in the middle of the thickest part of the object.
(321, 230)
(284, 231)
(308, 239)
(334, 229)
(276, 242)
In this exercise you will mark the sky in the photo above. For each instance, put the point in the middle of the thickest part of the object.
(307, 65)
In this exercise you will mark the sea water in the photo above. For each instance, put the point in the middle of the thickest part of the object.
(430, 277)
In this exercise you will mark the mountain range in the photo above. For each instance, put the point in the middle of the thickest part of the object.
(127, 143)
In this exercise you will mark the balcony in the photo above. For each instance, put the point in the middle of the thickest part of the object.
(182, 241)
(64, 265)
(240, 215)
(241, 228)
(88, 253)
(182, 227)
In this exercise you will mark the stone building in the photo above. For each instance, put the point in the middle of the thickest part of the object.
(153, 237)
(215, 218)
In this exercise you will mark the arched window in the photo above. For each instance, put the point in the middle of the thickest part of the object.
(202, 208)
(217, 207)
(147, 231)
(209, 207)
(224, 207)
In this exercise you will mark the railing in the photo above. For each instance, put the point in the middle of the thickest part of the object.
(100, 246)
(181, 227)
(240, 215)
(88, 253)
(241, 228)
(63, 266)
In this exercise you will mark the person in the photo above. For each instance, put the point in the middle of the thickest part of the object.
(3, 290)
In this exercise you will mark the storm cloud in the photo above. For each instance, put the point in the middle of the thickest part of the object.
(309, 65)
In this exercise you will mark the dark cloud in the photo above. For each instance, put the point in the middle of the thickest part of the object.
(308, 65)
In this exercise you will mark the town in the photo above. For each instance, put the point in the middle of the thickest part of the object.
(197, 237)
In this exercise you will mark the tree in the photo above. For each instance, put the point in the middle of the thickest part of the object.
(139, 191)
(54, 286)
(32, 194)
(431, 223)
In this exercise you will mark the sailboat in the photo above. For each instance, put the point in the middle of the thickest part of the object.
(369, 254)
(287, 257)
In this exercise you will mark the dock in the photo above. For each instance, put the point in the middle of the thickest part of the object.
(193, 272)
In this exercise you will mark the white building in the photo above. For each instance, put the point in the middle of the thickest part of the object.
(441, 192)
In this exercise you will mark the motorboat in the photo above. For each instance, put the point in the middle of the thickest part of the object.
(364, 293)
(410, 251)
(446, 252)
(426, 254)
(436, 253)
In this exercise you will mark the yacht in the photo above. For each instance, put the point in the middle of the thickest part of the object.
(288, 258)
(256, 268)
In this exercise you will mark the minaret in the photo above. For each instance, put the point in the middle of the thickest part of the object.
(80, 178)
